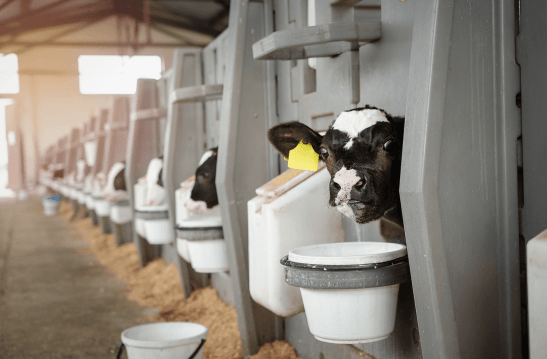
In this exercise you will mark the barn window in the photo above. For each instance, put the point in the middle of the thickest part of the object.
(115, 74)
(9, 76)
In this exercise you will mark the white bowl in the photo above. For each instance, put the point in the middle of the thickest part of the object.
(102, 207)
(182, 249)
(209, 256)
(349, 316)
(159, 231)
(121, 214)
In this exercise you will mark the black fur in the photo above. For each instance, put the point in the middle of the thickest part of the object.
(204, 187)
(119, 181)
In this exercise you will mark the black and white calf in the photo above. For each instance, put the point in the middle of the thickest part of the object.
(204, 187)
(115, 189)
(362, 150)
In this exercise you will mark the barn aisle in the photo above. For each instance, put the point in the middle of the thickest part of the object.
(56, 300)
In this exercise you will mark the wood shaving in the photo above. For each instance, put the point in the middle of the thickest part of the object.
(158, 285)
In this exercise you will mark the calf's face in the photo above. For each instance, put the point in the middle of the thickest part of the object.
(204, 187)
(362, 150)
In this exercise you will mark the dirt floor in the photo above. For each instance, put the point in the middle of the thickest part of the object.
(144, 295)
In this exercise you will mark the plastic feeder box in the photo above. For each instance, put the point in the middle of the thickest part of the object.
(174, 340)
(349, 289)
(205, 241)
(290, 211)
(157, 226)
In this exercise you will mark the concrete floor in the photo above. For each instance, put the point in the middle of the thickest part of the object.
(56, 300)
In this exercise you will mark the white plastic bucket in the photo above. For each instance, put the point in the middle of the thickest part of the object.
(159, 231)
(182, 249)
(172, 340)
(89, 202)
(208, 256)
(51, 205)
(139, 227)
(348, 316)
(120, 214)
(102, 207)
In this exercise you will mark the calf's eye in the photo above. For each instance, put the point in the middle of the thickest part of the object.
(390, 146)
(204, 175)
(324, 153)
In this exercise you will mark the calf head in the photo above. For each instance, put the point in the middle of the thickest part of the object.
(204, 188)
(362, 150)
(119, 180)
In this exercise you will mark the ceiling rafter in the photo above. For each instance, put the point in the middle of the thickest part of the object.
(157, 14)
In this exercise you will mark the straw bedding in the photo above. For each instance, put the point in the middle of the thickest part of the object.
(158, 285)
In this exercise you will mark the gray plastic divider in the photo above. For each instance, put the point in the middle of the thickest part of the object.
(459, 179)
(72, 148)
(183, 144)
(243, 162)
(143, 144)
(117, 130)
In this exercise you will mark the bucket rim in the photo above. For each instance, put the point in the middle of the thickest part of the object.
(164, 344)
(347, 253)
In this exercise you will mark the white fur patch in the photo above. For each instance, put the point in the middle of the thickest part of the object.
(346, 179)
(346, 210)
(205, 157)
(155, 194)
(114, 170)
(354, 122)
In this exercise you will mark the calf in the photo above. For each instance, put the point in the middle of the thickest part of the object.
(205, 189)
(115, 188)
(362, 150)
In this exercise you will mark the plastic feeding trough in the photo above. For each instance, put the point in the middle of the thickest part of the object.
(290, 211)
(51, 205)
(349, 289)
(200, 239)
(173, 340)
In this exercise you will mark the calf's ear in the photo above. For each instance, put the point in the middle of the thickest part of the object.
(286, 136)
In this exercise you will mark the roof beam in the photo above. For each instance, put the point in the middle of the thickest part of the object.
(14, 20)
(140, 45)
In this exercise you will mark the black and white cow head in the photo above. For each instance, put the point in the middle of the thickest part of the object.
(362, 150)
(204, 187)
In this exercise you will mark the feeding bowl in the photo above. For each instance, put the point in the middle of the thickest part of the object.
(102, 207)
(205, 241)
(120, 212)
(157, 226)
(349, 289)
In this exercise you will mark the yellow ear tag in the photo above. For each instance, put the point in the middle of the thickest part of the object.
(303, 157)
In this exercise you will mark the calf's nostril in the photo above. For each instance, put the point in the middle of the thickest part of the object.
(335, 185)
(360, 184)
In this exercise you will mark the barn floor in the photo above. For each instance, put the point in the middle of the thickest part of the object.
(56, 300)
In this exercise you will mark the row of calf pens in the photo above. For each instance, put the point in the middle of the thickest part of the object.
(183, 171)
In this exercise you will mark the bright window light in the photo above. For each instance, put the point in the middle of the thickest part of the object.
(112, 75)
(9, 76)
